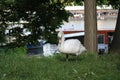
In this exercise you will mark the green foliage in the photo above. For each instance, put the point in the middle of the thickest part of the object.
(41, 18)
(88, 67)
(72, 2)
(13, 51)
(78, 2)
(102, 2)
(7, 15)
(2, 36)
(114, 3)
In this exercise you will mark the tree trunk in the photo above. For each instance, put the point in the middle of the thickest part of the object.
(115, 45)
(90, 40)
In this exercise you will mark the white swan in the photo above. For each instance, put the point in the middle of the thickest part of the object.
(70, 46)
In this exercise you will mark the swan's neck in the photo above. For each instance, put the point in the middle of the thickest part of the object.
(62, 40)
(61, 44)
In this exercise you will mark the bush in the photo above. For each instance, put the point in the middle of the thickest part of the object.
(17, 50)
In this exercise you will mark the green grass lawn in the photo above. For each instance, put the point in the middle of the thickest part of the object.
(88, 67)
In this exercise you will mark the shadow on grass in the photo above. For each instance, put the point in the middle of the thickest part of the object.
(71, 58)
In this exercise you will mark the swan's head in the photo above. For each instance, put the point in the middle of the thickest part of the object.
(60, 36)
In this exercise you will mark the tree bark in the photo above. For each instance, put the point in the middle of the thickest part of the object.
(90, 40)
(115, 45)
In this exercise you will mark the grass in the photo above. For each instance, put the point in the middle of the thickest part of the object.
(88, 67)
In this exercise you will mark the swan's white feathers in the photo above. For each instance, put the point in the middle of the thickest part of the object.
(70, 46)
